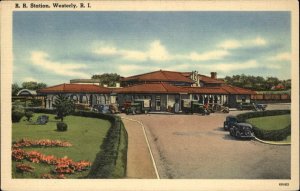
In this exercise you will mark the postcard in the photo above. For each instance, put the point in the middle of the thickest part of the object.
(150, 95)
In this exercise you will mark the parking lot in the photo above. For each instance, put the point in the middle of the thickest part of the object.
(196, 146)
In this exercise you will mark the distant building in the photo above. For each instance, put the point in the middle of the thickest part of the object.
(163, 88)
(28, 96)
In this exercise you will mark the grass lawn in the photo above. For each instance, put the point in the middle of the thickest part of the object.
(271, 122)
(85, 135)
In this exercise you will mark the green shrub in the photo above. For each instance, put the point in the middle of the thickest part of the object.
(17, 112)
(269, 135)
(242, 117)
(35, 103)
(61, 126)
(28, 115)
(17, 115)
(42, 110)
(105, 163)
(272, 135)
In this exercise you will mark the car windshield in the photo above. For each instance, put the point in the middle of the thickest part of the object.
(232, 119)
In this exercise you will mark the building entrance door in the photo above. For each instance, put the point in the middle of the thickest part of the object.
(157, 103)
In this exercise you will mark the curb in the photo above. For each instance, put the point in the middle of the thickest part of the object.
(149, 148)
(271, 142)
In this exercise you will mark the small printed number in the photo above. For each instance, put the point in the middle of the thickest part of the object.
(283, 184)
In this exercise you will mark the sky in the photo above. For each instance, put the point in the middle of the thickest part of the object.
(54, 47)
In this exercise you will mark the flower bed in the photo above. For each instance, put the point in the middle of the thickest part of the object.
(24, 168)
(41, 143)
(63, 165)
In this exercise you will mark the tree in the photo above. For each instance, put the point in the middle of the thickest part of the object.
(63, 106)
(15, 88)
(41, 86)
(109, 79)
(33, 85)
(257, 83)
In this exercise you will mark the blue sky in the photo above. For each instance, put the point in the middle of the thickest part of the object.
(54, 47)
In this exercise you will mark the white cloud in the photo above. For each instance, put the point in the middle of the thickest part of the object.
(125, 68)
(284, 56)
(234, 44)
(30, 79)
(211, 55)
(133, 55)
(230, 44)
(131, 69)
(180, 67)
(41, 59)
(158, 52)
(259, 41)
(155, 52)
(273, 66)
(109, 50)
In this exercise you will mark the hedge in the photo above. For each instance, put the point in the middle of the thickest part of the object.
(111, 156)
(269, 135)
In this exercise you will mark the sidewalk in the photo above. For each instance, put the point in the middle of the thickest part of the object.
(139, 163)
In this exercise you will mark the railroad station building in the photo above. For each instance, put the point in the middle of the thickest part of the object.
(164, 89)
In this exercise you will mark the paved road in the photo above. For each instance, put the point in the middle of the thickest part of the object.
(195, 146)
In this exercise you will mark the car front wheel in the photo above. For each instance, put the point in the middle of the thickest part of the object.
(238, 134)
(231, 132)
(248, 133)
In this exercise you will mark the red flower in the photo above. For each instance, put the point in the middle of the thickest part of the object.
(24, 168)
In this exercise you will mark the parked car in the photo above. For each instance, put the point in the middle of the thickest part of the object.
(123, 108)
(241, 130)
(261, 107)
(246, 106)
(134, 108)
(199, 108)
(102, 108)
(230, 121)
(145, 104)
(218, 108)
(189, 106)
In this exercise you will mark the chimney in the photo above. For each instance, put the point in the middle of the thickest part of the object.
(213, 75)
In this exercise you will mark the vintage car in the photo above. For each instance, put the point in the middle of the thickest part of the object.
(230, 120)
(135, 108)
(139, 106)
(241, 130)
(261, 107)
(246, 106)
(218, 108)
(189, 106)
(123, 108)
(102, 108)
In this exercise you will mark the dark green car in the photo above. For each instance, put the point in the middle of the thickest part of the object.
(229, 122)
(241, 130)
(246, 106)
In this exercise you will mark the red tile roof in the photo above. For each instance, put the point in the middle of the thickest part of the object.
(75, 88)
(209, 80)
(162, 88)
(236, 90)
(165, 88)
(206, 90)
(224, 89)
(203, 78)
(157, 76)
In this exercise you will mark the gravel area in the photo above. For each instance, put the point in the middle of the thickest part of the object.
(195, 146)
